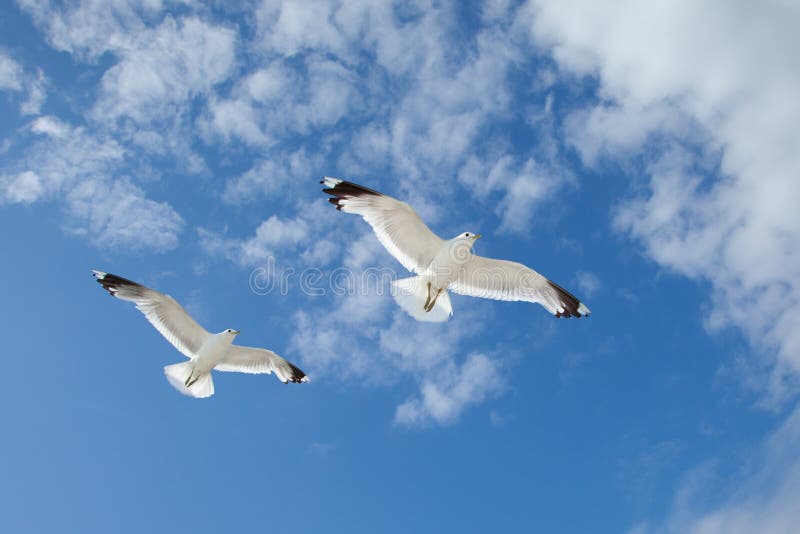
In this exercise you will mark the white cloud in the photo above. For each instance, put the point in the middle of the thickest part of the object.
(88, 29)
(437, 123)
(333, 92)
(763, 494)
(338, 339)
(14, 78)
(587, 282)
(322, 77)
(231, 118)
(271, 234)
(524, 187)
(290, 27)
(622, 128)
(277, 174)
(24, 188)
(350, 318)
(117, 214)
(62, 156)
(72, 166)
(699, 96)
(274, 238)
(164, 67)
(50, 126)
(271, 83)
(443, 400)
(36, 88)
(10, 73)
(277, 100)
(261, 106)
(724, 81)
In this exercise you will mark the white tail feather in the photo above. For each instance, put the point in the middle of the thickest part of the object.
(411, 294)
(178, 373)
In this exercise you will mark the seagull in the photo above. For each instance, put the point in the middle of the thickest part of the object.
(205, 351)
(443, 265)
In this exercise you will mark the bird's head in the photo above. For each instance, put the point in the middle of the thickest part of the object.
(229, 332)
(461, 246)
(467, 237)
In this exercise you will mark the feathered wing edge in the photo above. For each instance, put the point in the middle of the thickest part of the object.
(293, 374)
(572, 307)
(260, 361)
(396, 225)
(162, 311)
(341, 190)
(507, 280)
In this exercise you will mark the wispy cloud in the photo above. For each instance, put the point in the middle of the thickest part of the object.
(760, 496)
(444, 398)
(698, 99)
(274, 238)
(162, 65)
(323, 81)
(524, 187)
(10, 73)
(587, 282)
(32, 87)
(73, 167)
(275, 176)
(89, 29)
(724, 167)
(160, 69)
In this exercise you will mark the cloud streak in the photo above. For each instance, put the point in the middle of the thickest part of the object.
(69, 165)
(714, 136)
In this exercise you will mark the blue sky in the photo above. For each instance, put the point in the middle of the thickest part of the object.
(642, 156)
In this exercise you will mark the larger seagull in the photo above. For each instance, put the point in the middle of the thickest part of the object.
(443, 265)
(205, 351)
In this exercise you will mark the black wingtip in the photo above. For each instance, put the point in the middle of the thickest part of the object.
(344, 190)
(112, 282)
(298, 376)
(572, 306)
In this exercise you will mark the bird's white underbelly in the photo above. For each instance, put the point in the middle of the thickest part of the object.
(209, 355)
(446, 266)
(439, 278)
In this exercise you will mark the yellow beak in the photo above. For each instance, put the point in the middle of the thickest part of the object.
(477, 236)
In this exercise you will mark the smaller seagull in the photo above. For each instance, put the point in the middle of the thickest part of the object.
(444, 265)
(205, 351)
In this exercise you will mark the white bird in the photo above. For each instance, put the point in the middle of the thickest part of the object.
(444, 265)
(205, 351)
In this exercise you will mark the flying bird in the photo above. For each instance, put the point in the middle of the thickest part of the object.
(205, 351)
(443, 265)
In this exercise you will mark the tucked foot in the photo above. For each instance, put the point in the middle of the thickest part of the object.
(427, 301)
(429, 307)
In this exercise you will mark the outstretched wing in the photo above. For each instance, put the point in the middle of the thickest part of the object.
(508, 280)
(260, 361)
(163, 312)
(396, 224)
